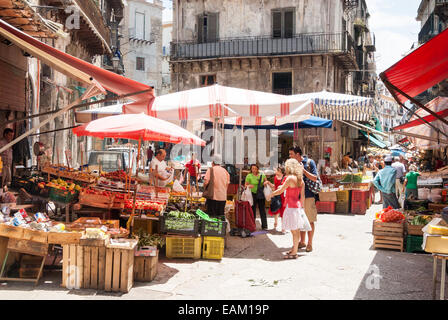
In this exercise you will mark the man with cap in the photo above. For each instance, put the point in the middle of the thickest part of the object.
(399, 179)
(385, 182)
(221, 179)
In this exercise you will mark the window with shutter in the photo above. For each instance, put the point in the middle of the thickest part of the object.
(212, 27)
(283, 23)
(277, 24)
(139, 25)
(200, 28)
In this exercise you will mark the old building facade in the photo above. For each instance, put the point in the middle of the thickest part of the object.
(141, 45)
(281, 46)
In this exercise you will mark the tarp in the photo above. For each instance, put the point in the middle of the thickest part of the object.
(416, 126)
(420, 70)
(75, 68)
(98, 113)
(374, 140)
(214, 102)
(337, 106)
(136, 127)
(312, 122)
(440, 104)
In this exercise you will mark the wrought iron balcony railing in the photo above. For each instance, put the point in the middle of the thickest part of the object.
(264, 46)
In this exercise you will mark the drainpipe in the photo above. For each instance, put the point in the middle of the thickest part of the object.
(177, 39)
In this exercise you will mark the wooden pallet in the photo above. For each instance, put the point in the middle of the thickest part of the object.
(384, 242)
(414, 230)
(145, 268)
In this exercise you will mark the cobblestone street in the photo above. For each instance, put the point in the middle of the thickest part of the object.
(340, 267)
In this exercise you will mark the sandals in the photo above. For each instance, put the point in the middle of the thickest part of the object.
(302, 245)
(290, 256)
(309, 248)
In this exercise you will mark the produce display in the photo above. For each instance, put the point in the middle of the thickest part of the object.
(119, 175)
(61, 185)
(180, 221)
(148, 240)
(69, 173)
(149, 206)
(420, 220)
(390, 215)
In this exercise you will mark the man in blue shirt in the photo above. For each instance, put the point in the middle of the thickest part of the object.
(310, 172)
(385, 182)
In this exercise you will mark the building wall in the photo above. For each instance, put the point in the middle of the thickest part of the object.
(309, 73)
(167, 38)
(152, 52)
(241, 18)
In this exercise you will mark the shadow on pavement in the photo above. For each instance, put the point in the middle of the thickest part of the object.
(396, 275)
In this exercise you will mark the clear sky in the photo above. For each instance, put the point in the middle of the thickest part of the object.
(392, 21)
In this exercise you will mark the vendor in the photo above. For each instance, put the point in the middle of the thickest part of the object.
(161, 173)
(193, 166)
(8, 136)
(410, 183)
(326, 168)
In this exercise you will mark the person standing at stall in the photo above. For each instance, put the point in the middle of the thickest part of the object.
(310, 173)
(410, 184)
(8, 136)
(193, 166)
(401, 172)
(159, 169)
(255, 181)
(385, 183)
(217, 203)
(279, 179)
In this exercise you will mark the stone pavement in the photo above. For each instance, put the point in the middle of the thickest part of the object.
(342, 266)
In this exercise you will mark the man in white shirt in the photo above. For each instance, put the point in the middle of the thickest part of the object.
(401, 173)
(159, 169)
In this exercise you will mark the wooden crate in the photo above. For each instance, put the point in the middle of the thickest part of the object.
(384, 242)
(11, 231)
(414, 230)
(386, 229)
(64, 237)
(30, 266)
(83, 267)
(28, 247)
(145, 268)
(96, 200)
(120, 267)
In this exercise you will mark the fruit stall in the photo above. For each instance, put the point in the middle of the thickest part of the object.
(346, 193)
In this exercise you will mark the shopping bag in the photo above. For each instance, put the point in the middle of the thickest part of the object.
(401, 200)
(244, 216)
(247, 196)
(267, 192)
(177, 187)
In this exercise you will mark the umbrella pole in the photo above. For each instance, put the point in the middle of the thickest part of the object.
(131, 218)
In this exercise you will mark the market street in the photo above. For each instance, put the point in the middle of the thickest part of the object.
(339, 268)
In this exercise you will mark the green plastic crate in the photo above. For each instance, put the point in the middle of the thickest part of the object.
(414, 244)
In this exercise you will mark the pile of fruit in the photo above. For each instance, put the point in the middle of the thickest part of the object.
(97, 192)
(120, 175)
(390, 215)
(147, 205)
(61, 185)
(420, 220)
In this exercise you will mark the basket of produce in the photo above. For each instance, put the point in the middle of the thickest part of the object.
(178, 222)
(414, 225)
(96, 198)
(215, 227)
(61, 195)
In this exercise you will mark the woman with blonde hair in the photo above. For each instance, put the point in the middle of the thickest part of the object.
(294, 217)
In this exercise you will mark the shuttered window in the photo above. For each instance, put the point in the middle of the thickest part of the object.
(140, 65)
(283, 23)
(208, 25)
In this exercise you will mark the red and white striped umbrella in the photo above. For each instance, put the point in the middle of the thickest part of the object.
(216, 102)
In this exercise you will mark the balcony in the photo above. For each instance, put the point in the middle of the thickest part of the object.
(441, 9)
(370, 42)
(93, 32)
(339, 44)
(428, 31)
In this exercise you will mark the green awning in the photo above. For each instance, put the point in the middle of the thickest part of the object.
(374, 140)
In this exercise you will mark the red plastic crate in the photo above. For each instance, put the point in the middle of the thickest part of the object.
(359, 207)
(358, 195)
(326, 207)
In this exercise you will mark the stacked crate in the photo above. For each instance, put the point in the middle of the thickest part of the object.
(343, 202)
(388, 235)
(327, 203)
(360, 201)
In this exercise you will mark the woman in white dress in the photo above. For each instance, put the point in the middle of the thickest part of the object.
(294, 217)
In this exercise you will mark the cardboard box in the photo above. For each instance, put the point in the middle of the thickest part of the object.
(435, 244)
(328, 196)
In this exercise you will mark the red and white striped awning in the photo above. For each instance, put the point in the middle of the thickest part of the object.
(216, 102)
